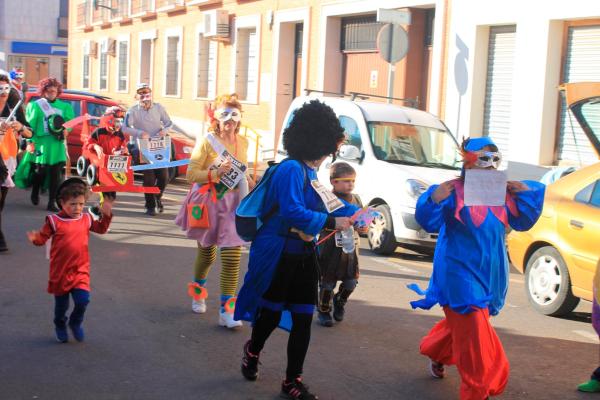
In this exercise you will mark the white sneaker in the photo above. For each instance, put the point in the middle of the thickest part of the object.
(199, 307)
(226, 319)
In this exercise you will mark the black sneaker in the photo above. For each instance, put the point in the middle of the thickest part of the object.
(52, 207)
(150, 211)
(61, 334)
(249, 363)
(35, 198)
(338, 308)
(296, 390)
(3, 246)
(159, 205)
(325, 319)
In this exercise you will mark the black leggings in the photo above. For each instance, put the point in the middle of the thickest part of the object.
(54, 172)
(294, 286)
(298, 341)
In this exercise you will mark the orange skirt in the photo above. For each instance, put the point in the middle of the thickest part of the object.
(469, 342)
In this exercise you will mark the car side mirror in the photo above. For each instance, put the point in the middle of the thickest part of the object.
(349, 152)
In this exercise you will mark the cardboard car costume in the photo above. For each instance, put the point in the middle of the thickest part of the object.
(114, 173)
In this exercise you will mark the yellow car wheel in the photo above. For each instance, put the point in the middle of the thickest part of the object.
(547, 283)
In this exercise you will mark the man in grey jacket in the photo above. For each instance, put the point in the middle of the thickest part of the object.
(149, 120)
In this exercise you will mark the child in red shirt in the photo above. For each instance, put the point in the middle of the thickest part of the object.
(69, 257)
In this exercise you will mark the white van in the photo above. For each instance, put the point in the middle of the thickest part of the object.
(398, 152)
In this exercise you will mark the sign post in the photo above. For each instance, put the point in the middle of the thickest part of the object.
(392, 41)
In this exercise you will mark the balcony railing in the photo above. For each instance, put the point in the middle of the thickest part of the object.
(169, 4)
(100, 16)
(120, 9)
(142, 7)
(83, 14)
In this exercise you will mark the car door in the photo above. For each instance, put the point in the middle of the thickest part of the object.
(578, 227)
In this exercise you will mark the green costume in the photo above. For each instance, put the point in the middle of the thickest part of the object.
(49, 150)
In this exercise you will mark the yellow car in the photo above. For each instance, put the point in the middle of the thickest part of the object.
(559, 254)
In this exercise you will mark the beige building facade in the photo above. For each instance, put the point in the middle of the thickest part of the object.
(266, 51)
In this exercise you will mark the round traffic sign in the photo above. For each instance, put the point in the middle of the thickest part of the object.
(392, 43)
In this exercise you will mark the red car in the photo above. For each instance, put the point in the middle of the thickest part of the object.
(93, 104)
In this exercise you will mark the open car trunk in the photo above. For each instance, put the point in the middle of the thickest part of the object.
(583, 99)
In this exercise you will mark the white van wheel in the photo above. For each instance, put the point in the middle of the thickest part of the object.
(381, 232)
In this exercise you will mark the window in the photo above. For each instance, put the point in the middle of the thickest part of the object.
(246, 57)
(589, 194)
(360, 33)
(585, 194)
(207, 68)
(413, 145)
(123, 66)
(246, 74)
(595, 200)
(173, 62)
(146, 60)
(85, 68)
(351, 130)
(103, 70)
(96, 110)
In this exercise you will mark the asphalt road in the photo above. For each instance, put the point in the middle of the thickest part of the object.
(143, 341)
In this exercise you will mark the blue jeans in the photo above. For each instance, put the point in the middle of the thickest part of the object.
(81, 298)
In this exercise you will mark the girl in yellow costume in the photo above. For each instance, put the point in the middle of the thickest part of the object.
(206, 171)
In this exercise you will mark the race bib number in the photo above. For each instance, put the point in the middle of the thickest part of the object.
(235, 174)
(330, 200)
(155, 149)
(117, 164)
(157, 144)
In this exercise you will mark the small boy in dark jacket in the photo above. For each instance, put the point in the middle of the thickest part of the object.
(335, 264)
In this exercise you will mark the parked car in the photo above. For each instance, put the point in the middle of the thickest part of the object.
(559, 254)
(398, 152)
(94, 104)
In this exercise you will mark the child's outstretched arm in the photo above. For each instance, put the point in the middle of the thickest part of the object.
(39, 238)
(101, 226)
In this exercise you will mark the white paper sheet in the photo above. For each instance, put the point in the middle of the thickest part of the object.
(485, 187)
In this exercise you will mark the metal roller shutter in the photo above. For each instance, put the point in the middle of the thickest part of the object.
(582, 64)
(498, 90)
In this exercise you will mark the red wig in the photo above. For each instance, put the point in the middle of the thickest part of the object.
(46, 83)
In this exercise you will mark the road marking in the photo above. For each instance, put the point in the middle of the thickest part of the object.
(586, 334)
(398, 267)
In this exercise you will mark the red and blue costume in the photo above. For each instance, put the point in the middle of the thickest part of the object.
(470, 279)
